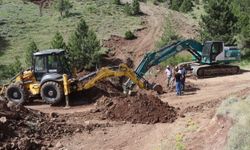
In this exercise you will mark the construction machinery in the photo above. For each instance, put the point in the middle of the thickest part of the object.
(51, 77)
(211, 58)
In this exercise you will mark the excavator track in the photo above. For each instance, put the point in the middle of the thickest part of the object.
(203, 71)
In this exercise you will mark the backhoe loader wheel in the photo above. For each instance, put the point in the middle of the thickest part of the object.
(52, 92)
(16, 93)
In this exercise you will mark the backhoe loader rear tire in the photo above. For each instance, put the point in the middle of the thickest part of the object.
(16, 93)
(52, 92)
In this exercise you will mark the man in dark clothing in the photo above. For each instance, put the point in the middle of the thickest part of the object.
(183, 78)
(178, 82)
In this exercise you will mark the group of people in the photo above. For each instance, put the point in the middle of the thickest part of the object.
(177, 74)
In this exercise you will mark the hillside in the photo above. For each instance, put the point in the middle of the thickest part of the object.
(21, 22)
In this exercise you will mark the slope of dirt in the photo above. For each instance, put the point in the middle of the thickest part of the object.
(142, 108)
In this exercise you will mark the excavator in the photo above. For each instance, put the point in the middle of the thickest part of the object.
(51, 77)
(212, 58)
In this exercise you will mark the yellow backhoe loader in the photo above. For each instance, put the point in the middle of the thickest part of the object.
(52, 79)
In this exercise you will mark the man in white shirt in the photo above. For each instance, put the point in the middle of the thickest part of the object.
(169, 73)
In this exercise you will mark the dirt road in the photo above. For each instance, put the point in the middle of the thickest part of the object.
(204, 101)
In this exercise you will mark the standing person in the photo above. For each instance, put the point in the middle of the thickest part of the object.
(178, 83)
(183, 77)
(169, 73)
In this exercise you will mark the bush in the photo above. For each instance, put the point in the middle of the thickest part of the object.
(117, 2)
(133, 9)
(129, 35)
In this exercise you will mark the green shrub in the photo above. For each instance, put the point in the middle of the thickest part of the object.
(117, 2)
(129, 35)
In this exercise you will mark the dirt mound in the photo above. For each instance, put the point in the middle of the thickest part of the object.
(21, 128)
(142, 108)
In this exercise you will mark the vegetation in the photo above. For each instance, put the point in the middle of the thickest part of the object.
(132, 9)
(129, 35)
(117, 2)
(169, 35)
(186, 6)
(32, 48)
(219, 23)
(10, 70)
(21, 22)
(84, 47)
(63, 6)
(58, 42)
(242, 11)
(238, 110)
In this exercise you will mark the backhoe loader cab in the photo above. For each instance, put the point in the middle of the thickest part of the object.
(50, 62)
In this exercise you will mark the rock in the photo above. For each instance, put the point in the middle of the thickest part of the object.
(3, 119)
(59, 145)
(53, 115)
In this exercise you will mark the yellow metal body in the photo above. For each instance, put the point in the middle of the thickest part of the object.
(123, 70)
(66, 85)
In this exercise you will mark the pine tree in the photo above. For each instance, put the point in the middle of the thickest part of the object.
(63, 6)
(135, 7)
(32, 48)
(84, 47)
(186, 6)
(57, 41)
(242, 11)
(220, 23)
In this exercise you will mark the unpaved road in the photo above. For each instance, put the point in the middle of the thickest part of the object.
(128, 136)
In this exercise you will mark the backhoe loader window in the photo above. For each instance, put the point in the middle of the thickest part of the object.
(52, 63)
(40, 64)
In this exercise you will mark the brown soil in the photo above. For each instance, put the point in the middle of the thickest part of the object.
(141, 108)
(22, 128)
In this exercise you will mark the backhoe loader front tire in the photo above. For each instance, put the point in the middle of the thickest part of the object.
(52, 92)
(16, 93)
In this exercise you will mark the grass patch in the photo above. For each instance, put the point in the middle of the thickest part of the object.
(20, 22)
(238, 109)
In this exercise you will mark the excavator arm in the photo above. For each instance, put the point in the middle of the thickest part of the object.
(154, 58)
(122, 70)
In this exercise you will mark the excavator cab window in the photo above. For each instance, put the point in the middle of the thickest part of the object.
(216, 49)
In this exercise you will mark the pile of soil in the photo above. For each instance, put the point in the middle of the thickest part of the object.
(21, 128)
(142, 108)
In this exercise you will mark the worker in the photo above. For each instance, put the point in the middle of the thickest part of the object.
(183, 77)
(169, 73)
(178, 82)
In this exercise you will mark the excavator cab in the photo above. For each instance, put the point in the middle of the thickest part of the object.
(210, 51)
(50, 62)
